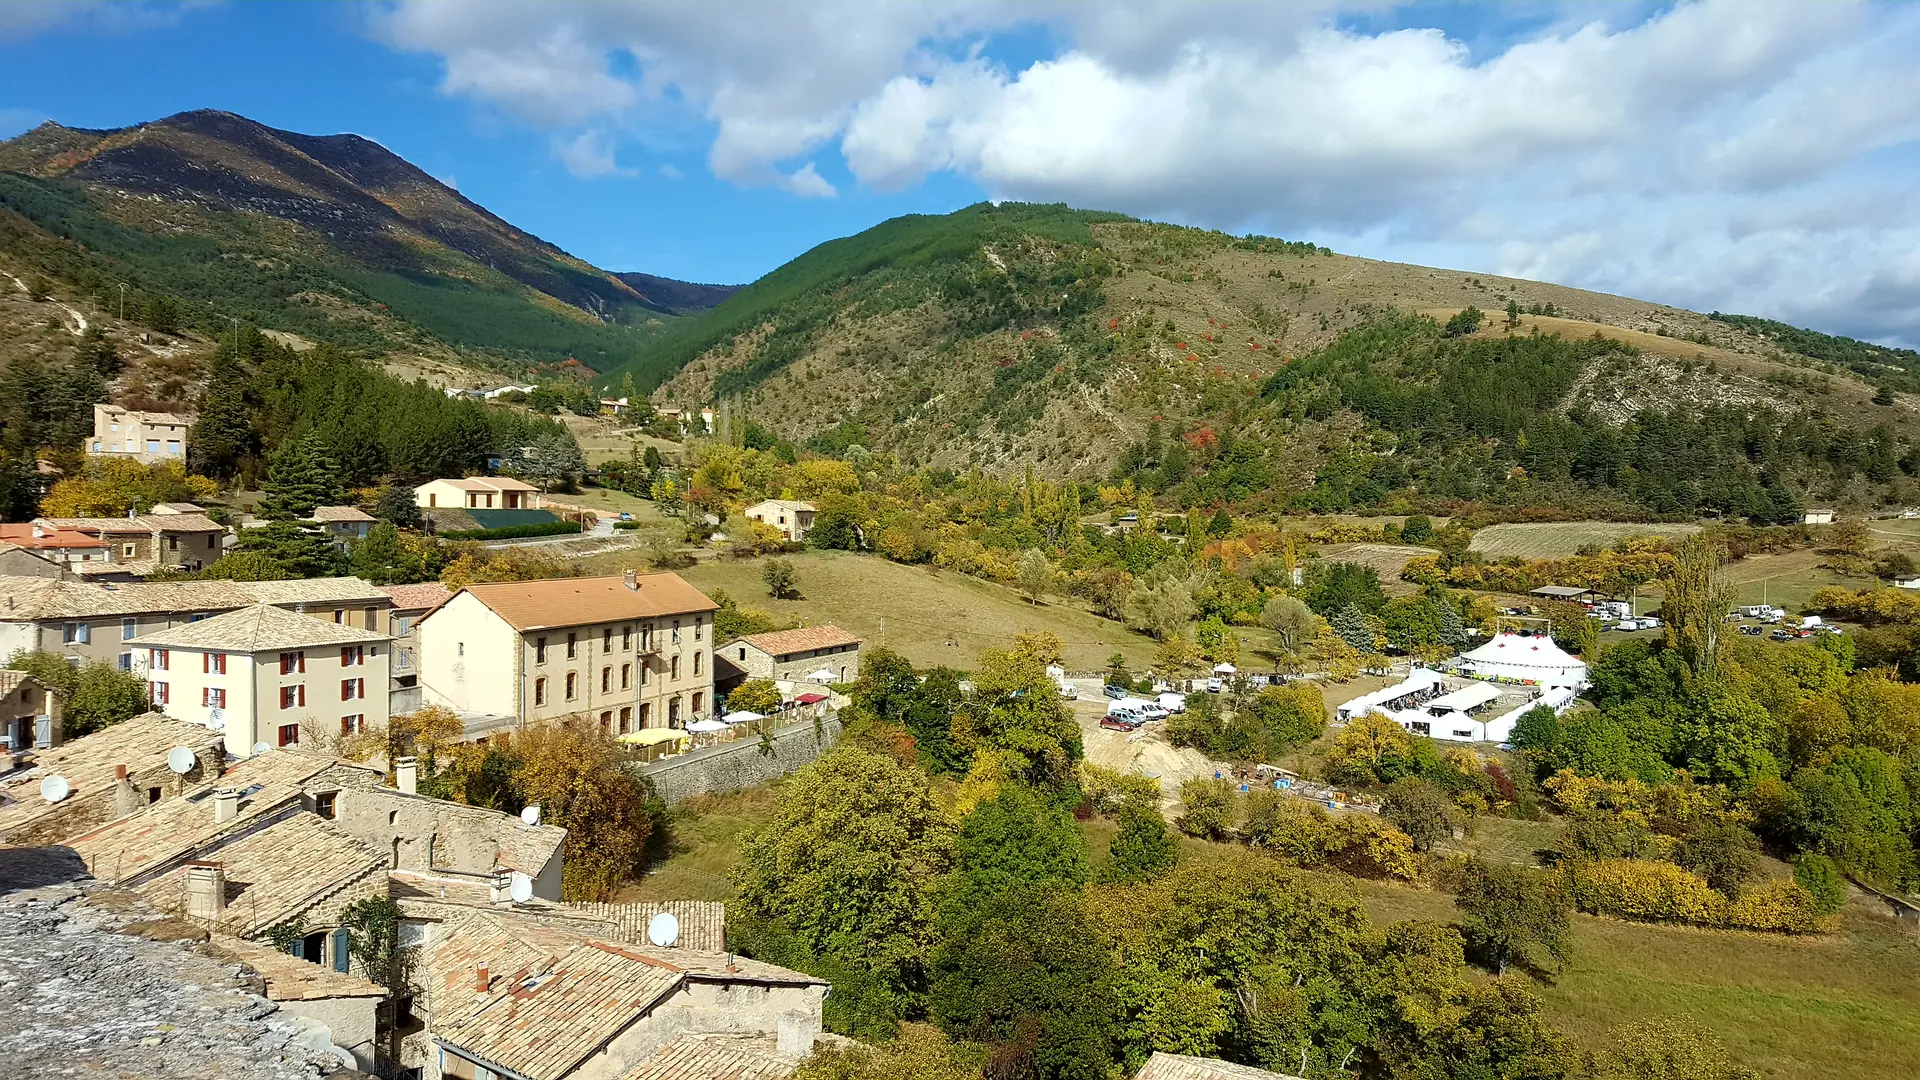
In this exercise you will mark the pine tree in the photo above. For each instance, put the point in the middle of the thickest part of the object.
(221, 438)
(299, 552)
(304, 475)
(1352, 625)
(1453, 630)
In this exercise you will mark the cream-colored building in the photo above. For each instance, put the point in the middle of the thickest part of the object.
(266, 675)
(478, 493)
(141, 544)
(792, 518)
(630, 652)
(143, 436)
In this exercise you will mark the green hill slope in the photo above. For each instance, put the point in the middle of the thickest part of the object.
(1225, 368)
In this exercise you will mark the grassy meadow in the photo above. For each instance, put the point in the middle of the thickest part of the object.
(1558, 539)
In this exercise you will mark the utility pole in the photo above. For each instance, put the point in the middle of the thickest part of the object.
(123, 301)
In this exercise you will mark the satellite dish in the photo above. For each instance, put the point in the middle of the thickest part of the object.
(55, 788)
(260, 748)
(180, 759)
(663, 929)
(216, 717)
(520, 888)
(531, 815)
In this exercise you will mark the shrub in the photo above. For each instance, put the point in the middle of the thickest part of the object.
(1207, 806)
(1662, 892)
(626, 525)
(1821, 878)
(513, 532)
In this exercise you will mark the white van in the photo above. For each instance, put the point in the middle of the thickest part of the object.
(1173, 703)
(1151, 710)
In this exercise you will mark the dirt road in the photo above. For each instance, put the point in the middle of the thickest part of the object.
(1145, 752)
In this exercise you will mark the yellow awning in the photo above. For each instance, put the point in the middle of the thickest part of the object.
(653, 736)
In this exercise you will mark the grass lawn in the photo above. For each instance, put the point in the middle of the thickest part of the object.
(916, 610)
(1559, 539)
(1786, 579)
(1840, 1005)
(1508, 840)
(703, 843)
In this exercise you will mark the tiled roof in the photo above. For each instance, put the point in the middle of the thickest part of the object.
(88, 762)
(172, 828)
(805, 639)
(260, 628)
(10, 680)
(716, 1056)
(340, 513)
(552, 998)
(24, 599)
(485, 483)
(785, 504)
(291, 978)
(554, 602)
(422, 597)
(149, 417)
(275, 873)
(1182, 1067)
(143, 524)
(178, 508)
(703, 923)
(321, 590)
(34, 537)
(128, 567)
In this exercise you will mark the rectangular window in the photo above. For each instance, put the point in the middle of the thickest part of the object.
(157, 693)
(213, 696)
(646, 713)
(606, 679)
(573, 641)
(173, 543)
(127, 629)
(626, 676)
(606, 640)
(289, 734)
(572, 682)
(128, 551)
(353, 689)
(699, 698)
(370, 618)
(699, 626)
(339, 616)
(606, 722)
(126, 661)
(216, 663)
(674, 674)
(676, 631)
(626, 719)
(153, 446)
(324, 803)
(539, 650)
(353, 724)
(539, 691)
(293, 696)
(696, 664)
(626, 639)
(162, 660)
(353, 655)
(173, 447)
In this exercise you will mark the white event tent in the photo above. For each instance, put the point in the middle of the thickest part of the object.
(1524, 659)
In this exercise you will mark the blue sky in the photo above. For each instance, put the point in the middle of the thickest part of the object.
(1744, 155)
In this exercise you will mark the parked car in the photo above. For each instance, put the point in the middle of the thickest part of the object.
(624, 516)
(1120, 722)
(1214, 685)
(1068, 691)
(1117, 693)
(1782, 634)
(1756, 631)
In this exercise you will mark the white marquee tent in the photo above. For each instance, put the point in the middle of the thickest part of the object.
(1525, 659)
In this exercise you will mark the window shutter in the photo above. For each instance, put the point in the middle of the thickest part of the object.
(342, 957)
(298, 947)
(206, 663)
(302, 694)
(86, 633)
(301, 659)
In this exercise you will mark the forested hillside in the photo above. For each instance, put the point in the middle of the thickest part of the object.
(207, 216)
(1218, 369)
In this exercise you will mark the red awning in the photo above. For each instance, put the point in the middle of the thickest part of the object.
(809, 699)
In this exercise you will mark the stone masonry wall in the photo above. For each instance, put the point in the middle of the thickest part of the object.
(742, 764)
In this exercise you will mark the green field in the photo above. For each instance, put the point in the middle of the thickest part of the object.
(1790, 1008)
(917, 610)
(1558, 539)
(1785, 580)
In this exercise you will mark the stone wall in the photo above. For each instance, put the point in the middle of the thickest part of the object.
(742, 764)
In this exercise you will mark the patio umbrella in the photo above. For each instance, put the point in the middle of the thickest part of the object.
(1224, 669)
(704, 727)
(744, 716)
(822, 676)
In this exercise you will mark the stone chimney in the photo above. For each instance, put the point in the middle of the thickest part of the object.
(480, 979)
(123, 797)
(406, 774)
(633, 581)
(207, 891)
(796, 1034)
(226, 805)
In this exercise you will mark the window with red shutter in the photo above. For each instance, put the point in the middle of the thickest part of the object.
(301, 694)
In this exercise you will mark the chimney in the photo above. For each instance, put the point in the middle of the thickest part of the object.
(226, 805)
(480, 979)
(500, 888)
(123, 802)
(633, 581)
(406, 772)
(206, 891)
(796, 1034)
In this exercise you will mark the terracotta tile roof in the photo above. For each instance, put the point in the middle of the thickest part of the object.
(552, 998)
(341, 513)
(88, 762)
(321, 590)
(143, 525)
(422, 597)
(274, 873)
(805, 639)
(485, 483)
(1182, 1067)
(716, 1056)
(555, 602)
(290, 978)
(703, 923)
(23, 534)
(172, 828)
(260, 628)
(127, 567)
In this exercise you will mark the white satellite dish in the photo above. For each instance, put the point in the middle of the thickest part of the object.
(520, 888)
(180, 759)
(55, 788)
(663, 929)
(531, 815)
(260, 748)
(216, 717)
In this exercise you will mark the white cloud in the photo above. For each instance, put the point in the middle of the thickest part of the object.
(1725, 153)
(588, 156)
(670, 172)
(20, 19)
(806, 181)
